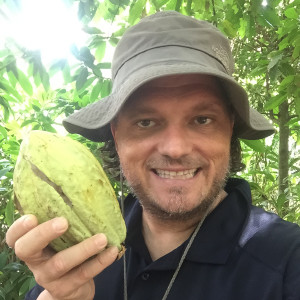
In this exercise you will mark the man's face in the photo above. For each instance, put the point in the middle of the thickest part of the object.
(173, 139)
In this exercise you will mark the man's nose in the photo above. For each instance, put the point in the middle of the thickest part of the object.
(175, 142)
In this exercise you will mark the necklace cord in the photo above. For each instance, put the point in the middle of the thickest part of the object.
(124, 255)
(187, 248)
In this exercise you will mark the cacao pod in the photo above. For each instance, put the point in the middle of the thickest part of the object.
(58, 176)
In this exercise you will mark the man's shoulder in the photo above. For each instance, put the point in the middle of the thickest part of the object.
(270, 239)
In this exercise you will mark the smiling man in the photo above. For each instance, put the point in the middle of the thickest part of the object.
(174, 118)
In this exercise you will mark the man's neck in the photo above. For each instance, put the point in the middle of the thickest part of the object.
(163, 236)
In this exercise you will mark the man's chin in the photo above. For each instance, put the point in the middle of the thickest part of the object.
(177, 214)
(173, 205)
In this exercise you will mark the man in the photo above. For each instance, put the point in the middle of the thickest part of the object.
(175, 115)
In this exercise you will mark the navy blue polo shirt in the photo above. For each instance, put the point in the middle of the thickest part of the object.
(240, 253)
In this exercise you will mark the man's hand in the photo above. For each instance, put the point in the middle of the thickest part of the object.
(66, 275)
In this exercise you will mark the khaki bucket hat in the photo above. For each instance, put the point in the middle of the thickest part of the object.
(168, 43)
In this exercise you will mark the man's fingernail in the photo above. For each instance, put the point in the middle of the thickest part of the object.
(28, 221)
(60, 224)
(100, 240)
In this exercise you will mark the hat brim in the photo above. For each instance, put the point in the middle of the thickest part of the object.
(93, 121)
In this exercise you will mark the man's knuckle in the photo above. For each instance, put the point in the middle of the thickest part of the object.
(19, 250)
(57, 290)
(87, 249)
(59, 265)
(83, 274)
(101, 261)
(39, 277)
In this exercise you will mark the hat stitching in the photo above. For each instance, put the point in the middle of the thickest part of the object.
(223, 57)
(220, 55)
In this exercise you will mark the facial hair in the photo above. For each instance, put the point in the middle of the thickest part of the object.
(177, 195)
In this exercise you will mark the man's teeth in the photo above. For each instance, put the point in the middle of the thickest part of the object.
(186, 174)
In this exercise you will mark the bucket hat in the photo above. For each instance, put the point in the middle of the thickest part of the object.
(162, 44)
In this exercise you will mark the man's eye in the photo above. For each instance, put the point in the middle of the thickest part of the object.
(202, 120)
(145, 123)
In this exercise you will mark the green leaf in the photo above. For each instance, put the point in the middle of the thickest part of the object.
(270, 16)
(291, 13)
(296, 52)
(258, 71)
(297, 106)
(36, 108)
(284, 43)
(86, 84)
(67, 73)
(12, 79)
(24, 287)
(45, 79)
(37, 79)
(135, 11)
(242, 28)
(26, 122)
(6, 87)
(86, 56)
(82, 77)
(280, 201)
(3, 260)
(229, 28)
(91, 30)
(9, 212)
(100, 51)
(5, 104)
(275, 101)
(95, 91)
(256, 145)
(4, 171)
(113, 41)
(286, 82)
(3, 132)
(106, 88)
(2, 294)
(274, 61)
(104, 65)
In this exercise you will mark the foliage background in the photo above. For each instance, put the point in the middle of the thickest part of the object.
(266, 45)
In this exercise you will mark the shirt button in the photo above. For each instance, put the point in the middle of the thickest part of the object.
(145, 276)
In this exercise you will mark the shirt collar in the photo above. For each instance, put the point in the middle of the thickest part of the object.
(218, 235)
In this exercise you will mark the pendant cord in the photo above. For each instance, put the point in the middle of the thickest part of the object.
(124, 255)
(187, 248)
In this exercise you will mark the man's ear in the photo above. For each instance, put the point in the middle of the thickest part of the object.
(113, 132)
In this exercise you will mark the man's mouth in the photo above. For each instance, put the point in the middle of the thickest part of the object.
(184, 174)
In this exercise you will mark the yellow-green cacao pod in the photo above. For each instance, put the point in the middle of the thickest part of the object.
(57, 176)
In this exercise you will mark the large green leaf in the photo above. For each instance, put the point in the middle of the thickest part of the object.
(291, 13)
(25, 83)
(95, 91)
(136, 10)
(3, 132)
(7, 88)
(268, 16)
(10, 212)
(256, 145)
(275, 101)
(82, 77)
(297, 105)
(100, 50)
